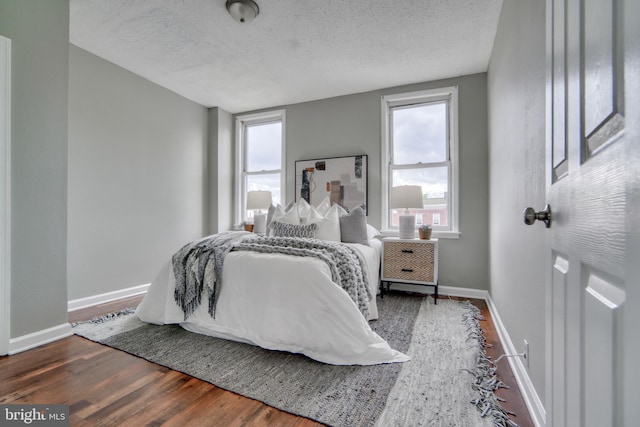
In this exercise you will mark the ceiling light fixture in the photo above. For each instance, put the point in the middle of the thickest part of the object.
(243, 10)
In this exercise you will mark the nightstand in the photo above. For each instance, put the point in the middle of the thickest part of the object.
(413, 261)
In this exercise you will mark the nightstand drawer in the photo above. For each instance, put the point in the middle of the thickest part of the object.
(409, 272)
(408, 261)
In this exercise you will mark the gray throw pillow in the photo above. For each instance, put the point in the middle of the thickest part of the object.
(353, 227)
(281, 229)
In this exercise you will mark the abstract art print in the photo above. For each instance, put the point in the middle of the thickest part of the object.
(342, 179)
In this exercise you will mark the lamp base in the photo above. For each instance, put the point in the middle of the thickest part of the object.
(259, 223)
(407, 229)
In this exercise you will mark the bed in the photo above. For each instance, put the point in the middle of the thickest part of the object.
(281, 301)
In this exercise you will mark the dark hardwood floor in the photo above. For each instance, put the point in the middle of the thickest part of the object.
(107, 387)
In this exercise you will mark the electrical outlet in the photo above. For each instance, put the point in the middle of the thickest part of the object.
(526, 353)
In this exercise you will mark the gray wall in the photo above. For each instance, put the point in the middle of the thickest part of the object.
(137, 176)
(517, 166)
(39, 31)
(351, 124)
(221, 168)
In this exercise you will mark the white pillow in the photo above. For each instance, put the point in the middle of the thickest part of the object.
(288, 217)
(328, 224)
(323, 206)
(303, 208)
(372, 232)
(341, 210)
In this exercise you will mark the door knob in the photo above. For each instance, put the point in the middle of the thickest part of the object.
(530, 216)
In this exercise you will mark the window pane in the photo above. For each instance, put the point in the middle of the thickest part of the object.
(420, 133)
(435, 191)
(266, 182)
(264, 146)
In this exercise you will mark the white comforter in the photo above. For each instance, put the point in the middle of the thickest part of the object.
(281, 302)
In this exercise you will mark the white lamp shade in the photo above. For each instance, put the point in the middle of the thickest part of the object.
(406, 197)
(258, 199)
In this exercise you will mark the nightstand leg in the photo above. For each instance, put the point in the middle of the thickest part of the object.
(436, 297)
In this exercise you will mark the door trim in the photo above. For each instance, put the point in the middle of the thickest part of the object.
(5, 194)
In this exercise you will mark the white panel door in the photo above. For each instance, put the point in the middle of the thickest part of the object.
(586, 174)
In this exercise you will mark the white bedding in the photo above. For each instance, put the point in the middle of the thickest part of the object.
(281, 302)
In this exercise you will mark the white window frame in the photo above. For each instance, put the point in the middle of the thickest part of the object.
(242, 121)
(449, 94)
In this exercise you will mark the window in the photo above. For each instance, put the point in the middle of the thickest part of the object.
(260, 157)
(420, 148)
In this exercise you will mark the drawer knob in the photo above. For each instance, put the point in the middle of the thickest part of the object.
(407, 251)
(407, 270)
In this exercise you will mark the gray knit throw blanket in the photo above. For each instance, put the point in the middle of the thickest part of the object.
(347, 268)
(199, 263)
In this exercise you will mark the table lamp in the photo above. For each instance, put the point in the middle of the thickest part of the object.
(406, 197)
(257, 201)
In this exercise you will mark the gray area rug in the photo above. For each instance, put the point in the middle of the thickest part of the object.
(438, 389)
(430, 390)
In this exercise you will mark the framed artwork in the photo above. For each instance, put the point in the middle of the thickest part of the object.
(342, 179)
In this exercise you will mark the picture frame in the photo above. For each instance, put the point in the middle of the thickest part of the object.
(343, 179)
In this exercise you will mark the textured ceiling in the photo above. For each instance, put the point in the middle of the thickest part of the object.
(294, 51)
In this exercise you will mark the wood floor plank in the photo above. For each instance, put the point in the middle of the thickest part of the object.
(138, 400)
(107, 387)
(167, 407)
(56, 354)
(119, 384)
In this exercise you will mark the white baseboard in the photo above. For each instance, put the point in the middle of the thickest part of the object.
(529, 394)
(38, 338)
(463, 292)
(45, 336)
(77, 304)
(442, 290)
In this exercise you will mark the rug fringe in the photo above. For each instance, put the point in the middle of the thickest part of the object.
(485, 380)
(110, 316)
